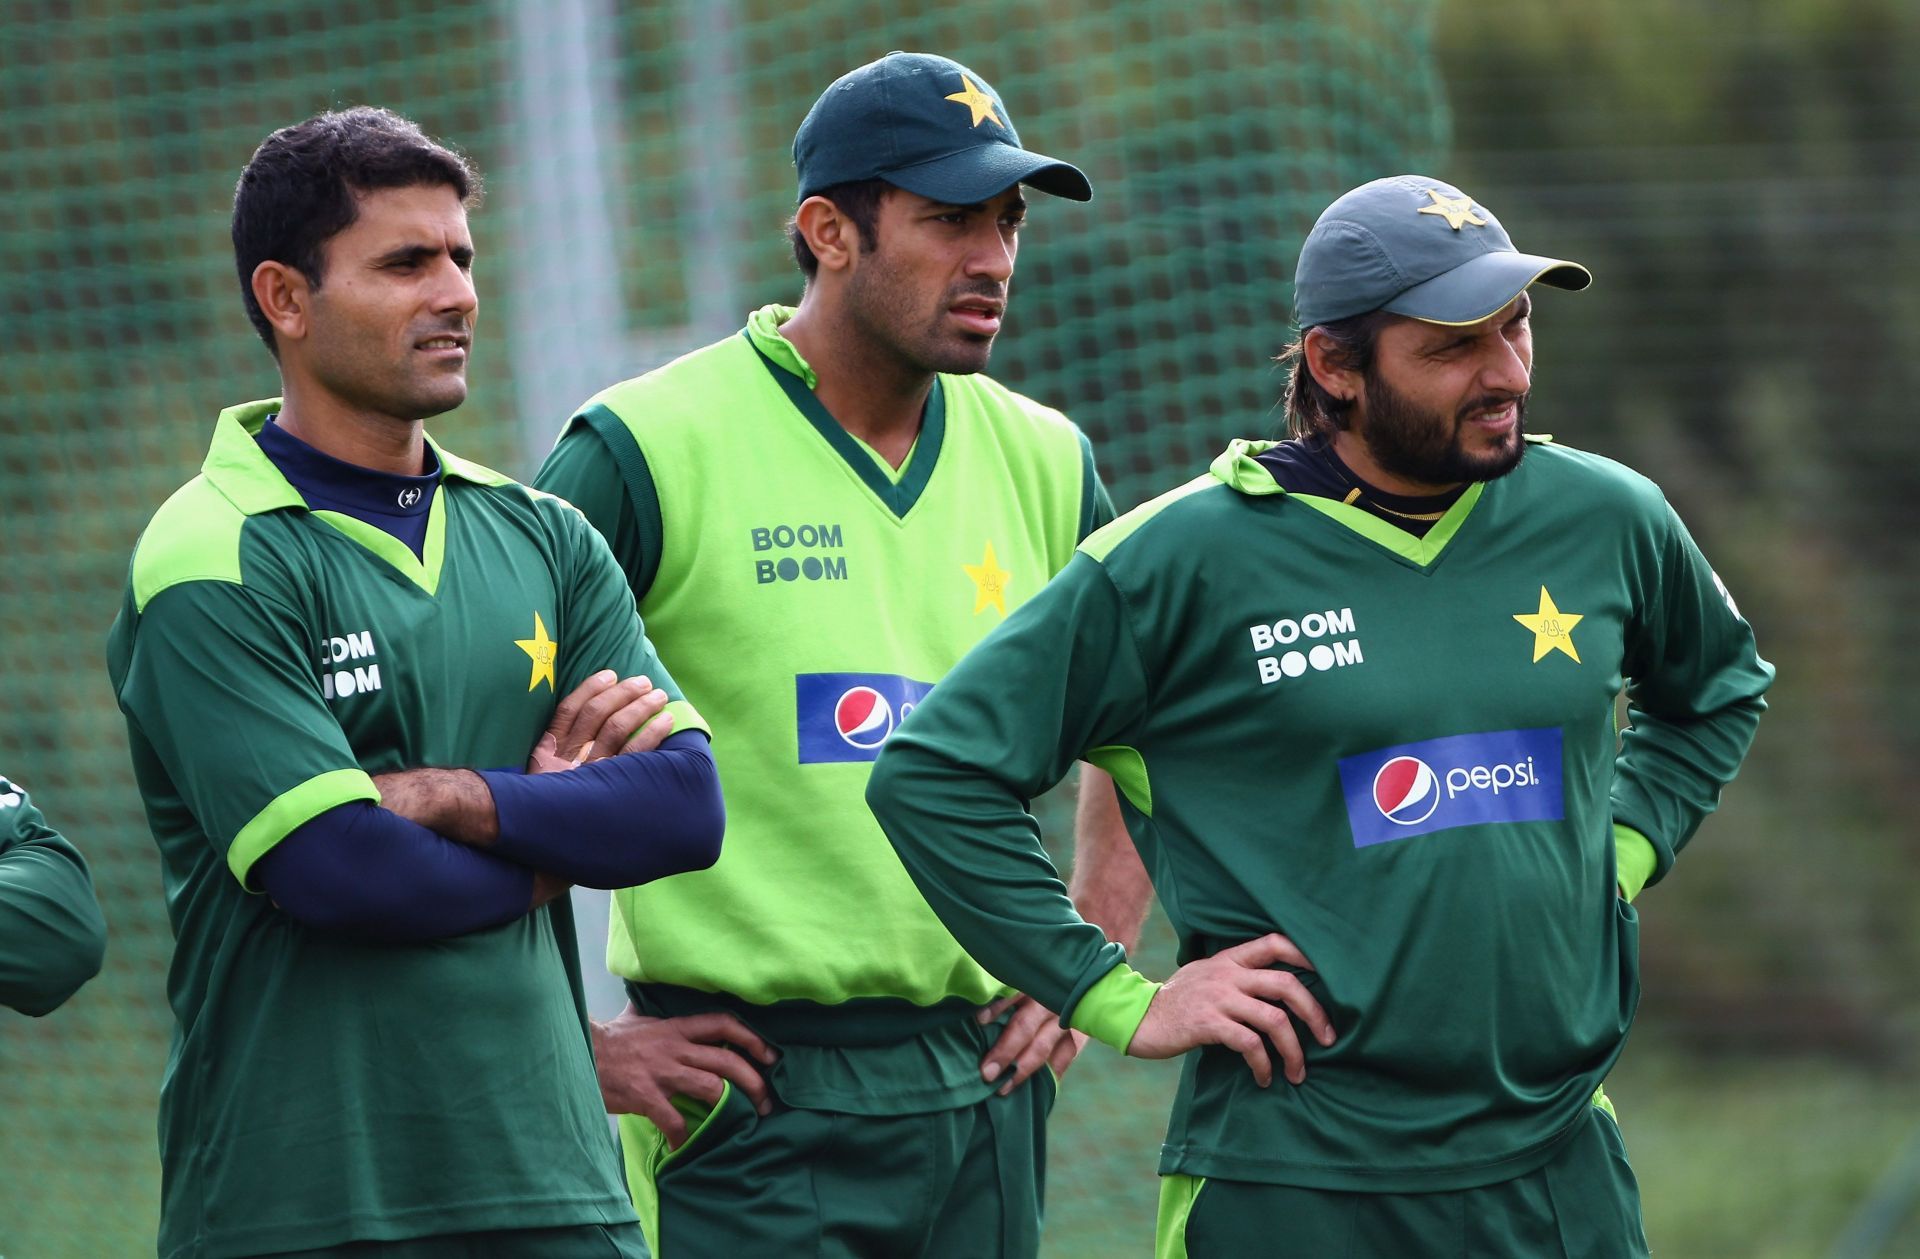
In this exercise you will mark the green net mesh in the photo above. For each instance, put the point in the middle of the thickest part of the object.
(1737, 176)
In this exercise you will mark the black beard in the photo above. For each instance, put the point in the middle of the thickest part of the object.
(1424, 446)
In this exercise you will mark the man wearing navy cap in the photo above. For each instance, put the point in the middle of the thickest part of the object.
(1358, 687)
(819, 516)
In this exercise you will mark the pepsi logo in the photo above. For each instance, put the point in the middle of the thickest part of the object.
(1406, 791)
(863, 717)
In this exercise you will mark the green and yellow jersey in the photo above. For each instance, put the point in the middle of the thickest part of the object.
(1401, 752)
(269, 660)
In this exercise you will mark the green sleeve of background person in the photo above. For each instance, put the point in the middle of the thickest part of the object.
(52, 936)
(1060, 681)
(598, 468)
(603, 629)
(808, 901)
(218, 683)
(1692, 698)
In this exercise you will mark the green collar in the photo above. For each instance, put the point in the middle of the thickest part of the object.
(242, 473)
(1239, 468)
(798, 381)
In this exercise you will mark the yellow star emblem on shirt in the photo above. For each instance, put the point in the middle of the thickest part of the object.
(978, 103)
(542, 649)
(1455, 210)
(989, 583)
(1552, 628)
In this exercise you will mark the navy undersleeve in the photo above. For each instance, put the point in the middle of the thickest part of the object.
(616, 822)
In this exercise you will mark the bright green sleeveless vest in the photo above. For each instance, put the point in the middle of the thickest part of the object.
(806, 597)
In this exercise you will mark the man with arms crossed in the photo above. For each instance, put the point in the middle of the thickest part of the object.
(1358, 687)
(819, 516)
(381, 1045)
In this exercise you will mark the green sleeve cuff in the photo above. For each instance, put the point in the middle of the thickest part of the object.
(1112, 1010)
(291, 810)
(1634, 859)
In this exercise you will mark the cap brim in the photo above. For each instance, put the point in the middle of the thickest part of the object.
(1479, 288)
(985, 171)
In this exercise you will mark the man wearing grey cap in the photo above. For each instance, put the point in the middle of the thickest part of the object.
(819, 516)
(1357, 691)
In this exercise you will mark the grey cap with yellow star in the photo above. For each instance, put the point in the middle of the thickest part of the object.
(926, 124)
(1415, 246)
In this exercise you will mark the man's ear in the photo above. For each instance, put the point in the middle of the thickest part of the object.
(1323, 361)
(286, 299)
(831, 235)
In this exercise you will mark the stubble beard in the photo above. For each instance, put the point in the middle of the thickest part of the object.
(1425, 446)
(361, 377)
(883, 310)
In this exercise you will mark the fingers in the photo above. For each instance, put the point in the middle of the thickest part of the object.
(672, 1124)
(1065, 1051)
(724, 1029)
(624, 723)
(651, 731)
(1285, 988)
(578, 740)
(988, 1013)
(1015, 1046)
(1265, 951)
(568, 709)
(1246, 1042)
(1272, 1022)
(711, 1062)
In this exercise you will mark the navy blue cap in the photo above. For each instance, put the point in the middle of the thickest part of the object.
(925, 124)
(1415, 246)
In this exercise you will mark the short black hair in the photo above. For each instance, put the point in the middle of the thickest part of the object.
(860, 202)
(300, 189)
(1311, 410)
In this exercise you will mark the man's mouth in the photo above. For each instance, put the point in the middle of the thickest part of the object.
(451, 344)
(979, 314)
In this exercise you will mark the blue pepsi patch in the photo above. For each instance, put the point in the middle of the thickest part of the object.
(850, 716)
(1461, 780)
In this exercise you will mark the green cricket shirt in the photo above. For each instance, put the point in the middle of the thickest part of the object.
(269, 660)
(810, 595)
(1399, 752)
(52, 936)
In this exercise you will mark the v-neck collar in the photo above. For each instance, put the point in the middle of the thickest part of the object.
(241, 471)
(797, 380)
(1238, 468)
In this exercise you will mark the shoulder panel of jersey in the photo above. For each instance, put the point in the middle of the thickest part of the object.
(195, 536)
(687, 391)
(1566, 469)
(1102, 542)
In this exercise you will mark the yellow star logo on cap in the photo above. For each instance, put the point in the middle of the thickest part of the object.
(978, 103)
(989, 583)
(1455, 210)
(542, 650)
(1552, 628)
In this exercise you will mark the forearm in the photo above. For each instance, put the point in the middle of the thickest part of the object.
(975, 855)
(1671, 772)
(363, 871)
(52, 937)
(454, 803)
(616, 822)
(1109, 886)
